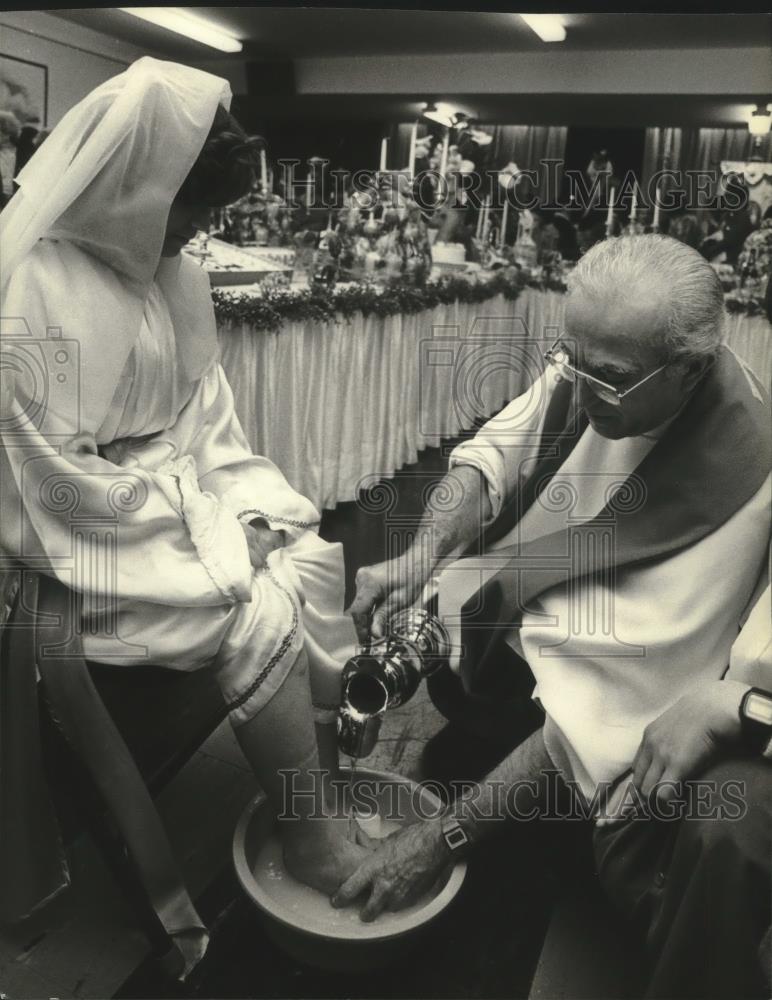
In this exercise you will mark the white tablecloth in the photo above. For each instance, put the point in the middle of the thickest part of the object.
(338, 405)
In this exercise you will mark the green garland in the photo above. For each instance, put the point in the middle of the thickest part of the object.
(274, 307)
(750, 306)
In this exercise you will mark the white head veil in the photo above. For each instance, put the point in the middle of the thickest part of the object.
(104, 180)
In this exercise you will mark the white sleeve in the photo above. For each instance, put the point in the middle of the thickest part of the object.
(504, 448)
(248, 485)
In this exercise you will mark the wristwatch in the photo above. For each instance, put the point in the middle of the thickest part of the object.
(756, 719)
(453, 833)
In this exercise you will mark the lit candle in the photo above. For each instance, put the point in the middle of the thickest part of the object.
(610, 215)
(504, 216)
(263, 172)
(384, 150)
(310, 189)
(633, 206)
(655, 221)
(486, 219)
(411, 159)
(444, 156)
(329, 220)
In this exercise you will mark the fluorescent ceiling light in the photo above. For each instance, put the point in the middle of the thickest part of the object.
(549, 27)
(191, 25)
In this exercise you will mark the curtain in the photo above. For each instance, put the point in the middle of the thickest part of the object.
(528, 146)
(699, 149)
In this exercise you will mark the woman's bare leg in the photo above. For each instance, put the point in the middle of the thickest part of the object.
(282, 738)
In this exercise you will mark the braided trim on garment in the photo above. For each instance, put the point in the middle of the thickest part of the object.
(275, 517)
(228, 591)
(278, 654)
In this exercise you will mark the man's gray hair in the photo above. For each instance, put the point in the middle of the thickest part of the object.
(626, 265)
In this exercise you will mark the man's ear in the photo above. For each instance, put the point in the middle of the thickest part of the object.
(694, 369)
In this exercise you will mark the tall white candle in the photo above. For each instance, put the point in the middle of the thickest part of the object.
(610, 214)
(486, 218)
(384, 153)
(263, 172)
(310, 189)
(444, 156)
(504, 217)
(633, 206)
(411, 159)
(655, 221)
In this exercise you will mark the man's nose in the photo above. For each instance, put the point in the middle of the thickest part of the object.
(588, 398)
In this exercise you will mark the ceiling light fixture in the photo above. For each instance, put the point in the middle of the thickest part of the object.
(760, 121)
(549, 27)
(191, 25)
(440, 113)
(445, 114)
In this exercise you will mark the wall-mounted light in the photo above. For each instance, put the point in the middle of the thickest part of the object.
(190, 25)
(760, 121)
(440, 112)
(446, 114)
(549, 27)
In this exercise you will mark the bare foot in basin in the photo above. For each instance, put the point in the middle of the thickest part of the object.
(320, 854)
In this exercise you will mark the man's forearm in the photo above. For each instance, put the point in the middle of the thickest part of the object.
(517, 788)
(454, 514)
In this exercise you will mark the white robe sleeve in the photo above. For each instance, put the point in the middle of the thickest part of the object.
(250, 486)
(504, 448)
(121, 533)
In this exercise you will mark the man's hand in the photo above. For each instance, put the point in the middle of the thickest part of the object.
(385, 588)
(405, 865)
(687, 737)
(388, 587)
(261, 541)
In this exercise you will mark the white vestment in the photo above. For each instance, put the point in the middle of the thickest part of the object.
(608, 657)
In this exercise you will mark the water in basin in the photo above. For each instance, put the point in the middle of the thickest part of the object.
(301, 903)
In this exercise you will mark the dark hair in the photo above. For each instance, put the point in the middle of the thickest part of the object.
(225, 168)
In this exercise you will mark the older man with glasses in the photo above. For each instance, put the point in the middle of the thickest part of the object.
(620, 510)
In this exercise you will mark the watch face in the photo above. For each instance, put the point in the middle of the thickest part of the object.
(758, 708)
(454, 834)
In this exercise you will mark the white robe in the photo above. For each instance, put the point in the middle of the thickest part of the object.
(138, 507)
(608, 659)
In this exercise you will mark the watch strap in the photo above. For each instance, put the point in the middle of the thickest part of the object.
(453, 834)
(756, 720)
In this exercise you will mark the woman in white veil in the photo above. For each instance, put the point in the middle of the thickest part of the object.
(124, 470)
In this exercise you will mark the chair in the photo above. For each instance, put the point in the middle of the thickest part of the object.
(153, 720)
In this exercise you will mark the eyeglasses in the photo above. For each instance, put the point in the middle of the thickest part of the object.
(558, 357)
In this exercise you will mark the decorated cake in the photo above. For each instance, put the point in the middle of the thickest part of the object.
(449, 254)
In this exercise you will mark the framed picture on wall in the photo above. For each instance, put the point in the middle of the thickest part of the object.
(24, 90)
